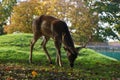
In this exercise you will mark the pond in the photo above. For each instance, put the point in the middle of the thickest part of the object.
(115, 55)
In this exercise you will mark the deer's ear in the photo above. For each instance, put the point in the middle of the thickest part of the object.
(65, 48)
(79, 48)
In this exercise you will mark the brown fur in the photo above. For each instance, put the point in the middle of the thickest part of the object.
(50, 27)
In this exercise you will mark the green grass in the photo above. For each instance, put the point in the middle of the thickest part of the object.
(15, 49)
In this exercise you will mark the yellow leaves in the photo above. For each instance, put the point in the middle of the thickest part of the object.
(22, 16)
(34, 73)
(23, 13)
(44, 3)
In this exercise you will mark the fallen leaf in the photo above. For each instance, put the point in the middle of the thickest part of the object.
(34, 73)
(9, 78)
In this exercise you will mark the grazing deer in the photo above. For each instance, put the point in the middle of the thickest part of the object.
(50, 27)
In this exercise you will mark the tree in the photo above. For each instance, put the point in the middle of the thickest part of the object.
(83, 22)
(108, 13)
(22, 16)
(6, 7)
(24, 13)
(74, 12)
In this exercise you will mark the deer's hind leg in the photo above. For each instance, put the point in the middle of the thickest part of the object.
(44, 42)
(33, 41)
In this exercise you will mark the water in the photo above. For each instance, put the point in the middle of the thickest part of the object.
(115, 55)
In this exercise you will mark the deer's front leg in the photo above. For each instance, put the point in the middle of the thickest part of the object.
(58, 56)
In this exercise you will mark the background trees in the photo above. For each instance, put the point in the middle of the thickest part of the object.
(6, 7)
(84, 22)
(85, 18)
(22, 17)
(109, 13)
(25, 12)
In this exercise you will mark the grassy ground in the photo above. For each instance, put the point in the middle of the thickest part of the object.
(14, 53)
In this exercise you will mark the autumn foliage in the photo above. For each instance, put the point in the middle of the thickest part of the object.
(74, 12)
(22, 17)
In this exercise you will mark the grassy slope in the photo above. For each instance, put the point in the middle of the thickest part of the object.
(14, 50)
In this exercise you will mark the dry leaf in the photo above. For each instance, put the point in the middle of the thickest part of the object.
(34, 73)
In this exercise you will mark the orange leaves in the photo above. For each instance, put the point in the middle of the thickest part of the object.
(7, 68)
(34, 73)
(9, 78)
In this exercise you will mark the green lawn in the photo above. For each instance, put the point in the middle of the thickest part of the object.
(14, 54)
